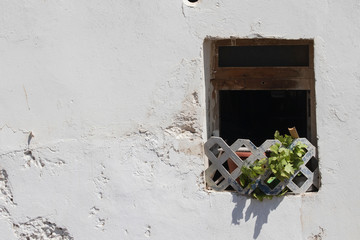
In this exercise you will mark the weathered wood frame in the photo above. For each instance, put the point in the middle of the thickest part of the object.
(261, 78)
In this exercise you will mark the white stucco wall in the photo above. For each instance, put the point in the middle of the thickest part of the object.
(114, 93)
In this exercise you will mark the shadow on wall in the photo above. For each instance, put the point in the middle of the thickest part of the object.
(260, 210)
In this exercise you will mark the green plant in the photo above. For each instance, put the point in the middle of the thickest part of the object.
(283, 162)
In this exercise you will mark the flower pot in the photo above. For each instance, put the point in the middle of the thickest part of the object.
(242, 155)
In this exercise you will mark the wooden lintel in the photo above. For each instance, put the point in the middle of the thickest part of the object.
(261, 84)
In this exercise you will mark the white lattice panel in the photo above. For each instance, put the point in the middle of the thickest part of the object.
(218, 177)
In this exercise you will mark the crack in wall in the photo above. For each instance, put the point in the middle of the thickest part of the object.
(5, 188)
(26, 98)
(14, 130)
(33, 158)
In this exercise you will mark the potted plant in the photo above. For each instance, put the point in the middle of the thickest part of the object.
(242, 155)
(282, 163)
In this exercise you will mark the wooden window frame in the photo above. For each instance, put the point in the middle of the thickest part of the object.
(261, 78)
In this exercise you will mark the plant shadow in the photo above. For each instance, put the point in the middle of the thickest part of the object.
(260, 210)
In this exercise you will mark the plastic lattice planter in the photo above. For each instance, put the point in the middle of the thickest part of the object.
(219, 178)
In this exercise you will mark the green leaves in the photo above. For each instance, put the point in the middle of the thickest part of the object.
(285, 140)
(275, 148)
(254, 171)
(283, 162)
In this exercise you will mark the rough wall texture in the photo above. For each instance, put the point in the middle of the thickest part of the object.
(103, 117)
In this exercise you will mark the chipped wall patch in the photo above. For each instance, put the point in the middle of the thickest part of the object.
(148, 231)
(184, 126)
(318, 236)
(100, 224)
(99, 221)
(100, 182)
(93, 211)
(42, 158)
(5, 187)
(186, 123)
(30, 159)
(40, 229)
(4, 212)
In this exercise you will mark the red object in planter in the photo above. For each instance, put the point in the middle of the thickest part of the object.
(242, 155)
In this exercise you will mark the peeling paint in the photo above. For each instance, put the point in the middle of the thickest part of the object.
(40, 229)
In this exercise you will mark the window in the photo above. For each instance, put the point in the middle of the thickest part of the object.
(255, 87)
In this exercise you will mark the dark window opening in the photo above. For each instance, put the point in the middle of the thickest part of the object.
(256, 115)
(264, 56)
